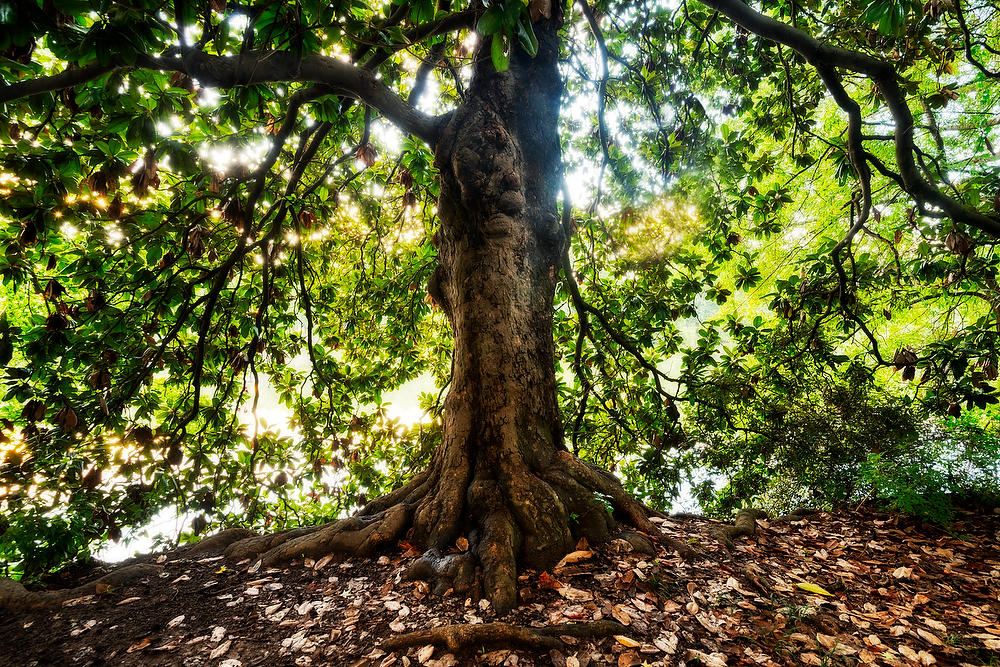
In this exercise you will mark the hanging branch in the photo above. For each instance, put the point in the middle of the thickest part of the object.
(826, 59)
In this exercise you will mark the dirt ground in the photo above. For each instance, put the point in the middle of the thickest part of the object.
(845, 589)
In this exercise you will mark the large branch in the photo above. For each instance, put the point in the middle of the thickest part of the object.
(45, 84)
(255, 67)
(883, 75)
(274, 66)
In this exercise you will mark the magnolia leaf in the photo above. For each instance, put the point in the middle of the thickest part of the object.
(813, 588)
(499, 52)
(490, 22)
(526, 35)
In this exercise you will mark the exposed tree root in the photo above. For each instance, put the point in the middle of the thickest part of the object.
(745, 524)
(16, 597)
(476, 526)
(468, 638)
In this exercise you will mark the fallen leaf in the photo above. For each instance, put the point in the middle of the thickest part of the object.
(575, 594)
(463, 544)
(627, 642)
(629, 659)
(706, 659)
(424, 654)
(547, 582)
(175, 621)
(220, 650)
(934, 624)
(929, 637)
(813, 588)
(574, 557)
(903, 573)
(667, 644)
(139, 645)
(621, 615)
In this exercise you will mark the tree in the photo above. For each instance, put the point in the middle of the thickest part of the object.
(202, 278)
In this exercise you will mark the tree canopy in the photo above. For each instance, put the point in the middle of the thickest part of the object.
(779, 264)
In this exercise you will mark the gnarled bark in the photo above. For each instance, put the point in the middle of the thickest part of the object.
(502, 478)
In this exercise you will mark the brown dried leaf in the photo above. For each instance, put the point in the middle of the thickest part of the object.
(220, 650)
(575, 594)
(139, 645)
(620, 615)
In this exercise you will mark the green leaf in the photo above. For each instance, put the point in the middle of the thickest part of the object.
(526, 35)
(489, 22)
(813, 588)
(498, 50)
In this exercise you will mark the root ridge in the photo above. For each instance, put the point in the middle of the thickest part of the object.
(464, 638)
(16, 597)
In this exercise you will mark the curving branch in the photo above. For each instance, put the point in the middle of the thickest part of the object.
(959, 14)
(47, 84)
(253, 67)
(272, 66)
(602, 90)
(826, 58)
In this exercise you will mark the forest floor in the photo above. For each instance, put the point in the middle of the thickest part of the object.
(859, 588)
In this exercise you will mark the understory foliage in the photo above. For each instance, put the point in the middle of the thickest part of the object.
(769, 299)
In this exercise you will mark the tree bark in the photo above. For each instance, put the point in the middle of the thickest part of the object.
(499, 244)
(502, 478)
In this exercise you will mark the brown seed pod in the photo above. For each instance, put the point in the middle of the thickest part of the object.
(99, 379)
(232, 211)
(958, 243)
(143, 435)
(195, 241)
(115, 208)
(175, 455)
(53, 289)
(28, 235)
(56, 322)
(33, 410)
(66, 419)
(92, 479)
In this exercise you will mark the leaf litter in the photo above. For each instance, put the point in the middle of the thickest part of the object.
(829, 589)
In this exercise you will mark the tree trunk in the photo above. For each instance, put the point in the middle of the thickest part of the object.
(502, 478)
(499, 244)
